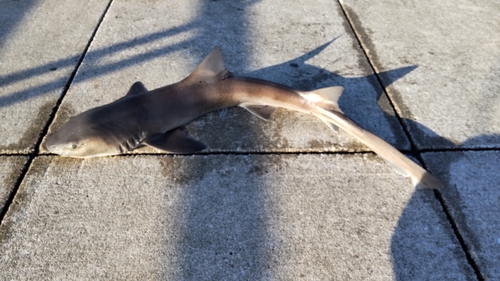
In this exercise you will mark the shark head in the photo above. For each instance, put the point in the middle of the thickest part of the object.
(80, 139)
(98, 131)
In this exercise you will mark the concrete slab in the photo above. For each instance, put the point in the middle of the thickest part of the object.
(254, 217)
(138, 42)
(451, 99)
(473, 198)
(40, 44)
(10, 169)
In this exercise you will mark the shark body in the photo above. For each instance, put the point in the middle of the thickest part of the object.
(156, 117)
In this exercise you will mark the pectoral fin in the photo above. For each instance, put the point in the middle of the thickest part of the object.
(176, 141)
(262, 111)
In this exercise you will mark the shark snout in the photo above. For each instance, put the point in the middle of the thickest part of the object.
(51, 145)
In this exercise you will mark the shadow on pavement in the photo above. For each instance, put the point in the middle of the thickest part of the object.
(212, 209)
(206, 25)
(203, 225)
(9, 20)
(213, 224)
(416, 245)
(470, 197)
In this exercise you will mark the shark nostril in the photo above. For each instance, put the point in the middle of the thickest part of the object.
(50, 148)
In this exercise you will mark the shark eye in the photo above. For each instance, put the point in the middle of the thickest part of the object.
(73, 146)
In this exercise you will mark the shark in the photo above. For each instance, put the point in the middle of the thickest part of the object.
(157, 118)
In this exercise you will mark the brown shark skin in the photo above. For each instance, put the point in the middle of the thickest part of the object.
(134, 119)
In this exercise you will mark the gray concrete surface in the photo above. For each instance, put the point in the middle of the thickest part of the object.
(272, 200)
(257, 217)
(473, 197)
(10, 170)
(452, 98)
(41, 43)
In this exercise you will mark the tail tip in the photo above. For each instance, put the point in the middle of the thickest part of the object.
(427, 181)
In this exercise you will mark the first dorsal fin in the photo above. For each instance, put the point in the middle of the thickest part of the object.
(137, 88)
(210, 70)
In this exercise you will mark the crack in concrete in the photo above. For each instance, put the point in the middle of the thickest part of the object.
(372, 59)
(34, 151)
(401, 109)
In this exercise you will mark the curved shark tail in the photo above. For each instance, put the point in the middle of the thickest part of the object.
(330, 113)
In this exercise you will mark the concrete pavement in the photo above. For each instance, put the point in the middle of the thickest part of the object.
(280, 200)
